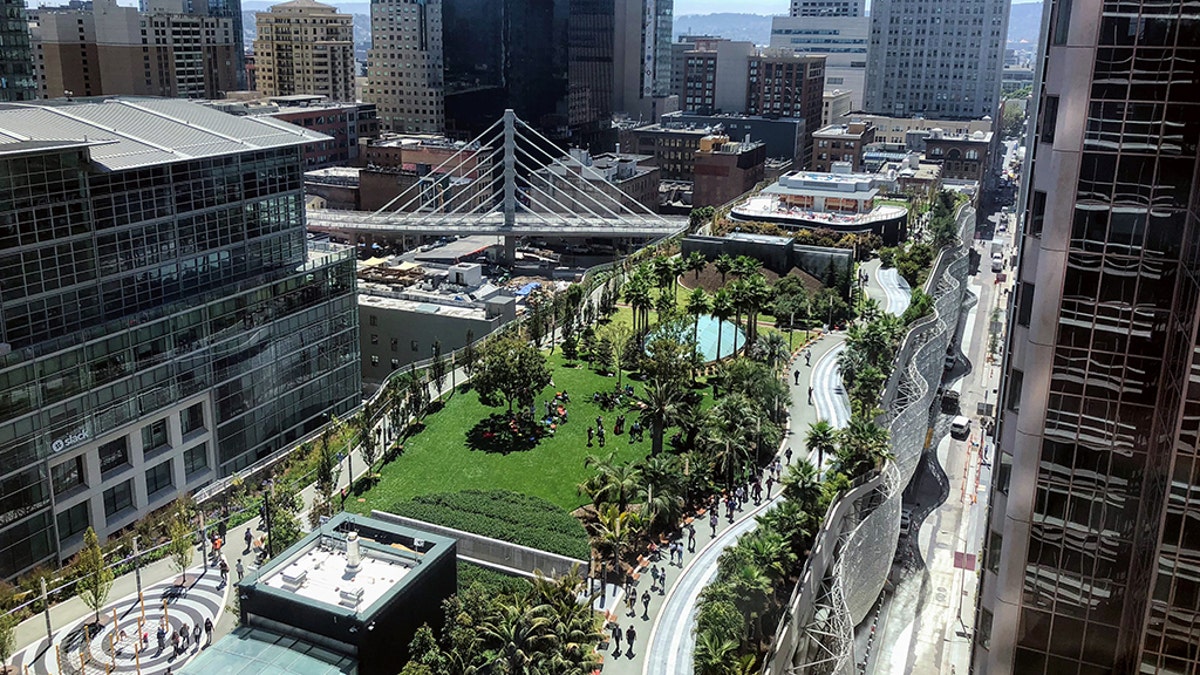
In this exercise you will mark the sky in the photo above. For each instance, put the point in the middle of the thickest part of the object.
(683, 7)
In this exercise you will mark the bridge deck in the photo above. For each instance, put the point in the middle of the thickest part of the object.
(527, 224)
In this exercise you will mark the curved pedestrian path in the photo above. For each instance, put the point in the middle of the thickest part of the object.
(117, 647)
(672, 614)
(895, 288)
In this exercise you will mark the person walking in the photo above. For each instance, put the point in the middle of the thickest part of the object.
(807, 357)
(600, 436)
(240, 570)
(691, 530)
(810, 393)
(600, 423)
(616, 636)
(249, 538)
(712, 521)
(796, 375)
(654, 577)
(630, 602)
(770, 483)
(788, 454)
(196, 632)
(630, 637)
(645, 604)
(224, 568)
(208, 629)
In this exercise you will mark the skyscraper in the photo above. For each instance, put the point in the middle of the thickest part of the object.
(642, 58)
(305, 47)
(551, 62)
(829, 7)
(164, 323)
(937, 58)
(16, 61)
(404, 64)
(1092, 558)
(843, 39)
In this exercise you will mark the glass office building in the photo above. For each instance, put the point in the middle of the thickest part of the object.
(1092, 557)
(162, 322)
(17, 82)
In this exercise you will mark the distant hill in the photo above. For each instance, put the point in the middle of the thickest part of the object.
(754, 28)
(1024, 25)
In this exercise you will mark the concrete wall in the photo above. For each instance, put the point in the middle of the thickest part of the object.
(492, 551)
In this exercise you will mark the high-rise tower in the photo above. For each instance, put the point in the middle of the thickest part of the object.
(16, 66)
(404, 64)
(305, 47)
(938, 58)
(642, 58)
(1092, 558)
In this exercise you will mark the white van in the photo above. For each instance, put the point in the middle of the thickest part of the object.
(960, 427)
(997, 262)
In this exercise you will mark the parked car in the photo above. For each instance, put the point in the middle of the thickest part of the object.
(905, 522)
(948, 363)
(960, 427)
(950, 402)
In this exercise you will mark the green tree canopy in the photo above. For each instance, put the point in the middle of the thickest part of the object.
(511, 372)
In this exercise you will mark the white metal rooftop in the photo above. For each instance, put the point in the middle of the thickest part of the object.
(138, 132)
(319, 573)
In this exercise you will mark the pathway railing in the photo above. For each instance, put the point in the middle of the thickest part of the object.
(853, 551)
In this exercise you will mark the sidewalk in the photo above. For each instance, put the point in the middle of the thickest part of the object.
(665, 638)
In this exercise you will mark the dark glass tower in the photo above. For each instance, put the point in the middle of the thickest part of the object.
(162, 322)
(1093, 553)
(16, 58)
(549, 60)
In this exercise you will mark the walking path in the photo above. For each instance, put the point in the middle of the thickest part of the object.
(887, 287)
(671, 614)
(116, 644)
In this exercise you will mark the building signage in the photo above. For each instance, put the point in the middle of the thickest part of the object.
(74, 438)
(649, 39)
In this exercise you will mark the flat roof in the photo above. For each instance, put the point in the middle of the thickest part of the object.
(314, 570)
(253, 651)
(146, 131)
(442, 306)
(767, 205)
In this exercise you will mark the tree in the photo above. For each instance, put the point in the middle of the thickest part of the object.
(518, 638)
(773, 350)
(722, 309)
(602, 355)
(438, 369)
(613, 483)
(714, 653)
(616, 530)
(8, 640)
(862, 446)
(179, 545)
(468, 355)
(661, 403)
(745, 267)
(638, 295)
(570, 348)
(724, 265)
(511, 372)
(282, 505)
(698, 305)
(366, 435)
(696, 262)
(821, 438)
(95, 576)
(618, 335)
(1012, 121)
(802, 485)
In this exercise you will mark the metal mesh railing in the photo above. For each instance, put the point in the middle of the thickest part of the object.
(854, 550)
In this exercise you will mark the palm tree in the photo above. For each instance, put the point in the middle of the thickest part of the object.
(722, 309)
(637, 294)
(616, 531)
(661, 404)
(773, 349)
(822, 438)
(744, 266)
(729, 435)
(664, 273)
(757, 294)
(752, 592)
(770, 553)
(613, 483)
(863, 446)
(573, 624)
(696, 262)
(698, 304)
(713, 654)
(518, 637)
(739, 295)
(802, 485)
(724, 265)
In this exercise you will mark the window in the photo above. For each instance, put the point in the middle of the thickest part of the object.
(1049, 119)
(192, 419)
(118, 499)
(154, 435)
(159, 478)
(195, 459)
(113, 454)
(374, 338)
(395, 363)
(373, 320)
(73, 521)
(1037, 213)
(68, 475)
(1025, 304)
(1015, 380)
(1062, 21)
(374, 360)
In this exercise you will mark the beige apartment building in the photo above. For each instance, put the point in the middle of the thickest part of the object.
(305, 47)
(404, 65)
(102, 49)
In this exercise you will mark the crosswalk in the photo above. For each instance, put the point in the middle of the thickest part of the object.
(128, 643)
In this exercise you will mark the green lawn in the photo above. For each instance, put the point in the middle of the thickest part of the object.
(437, 459)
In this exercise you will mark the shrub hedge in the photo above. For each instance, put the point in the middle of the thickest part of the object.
(496, 583)
(501, 514)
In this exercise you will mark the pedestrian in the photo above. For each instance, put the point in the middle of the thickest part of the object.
(756, 490)
(630, 636)
(224, 571)
(796, 374)
(630, 601)
(600, 423)
(807, 357)
(712, 521)
(161, 636)
(645, 604)
(691, 529)
(740, 495)
(208, 629)
(770, 482)
(183, 633)
(590, 433)
(196, 632)
(600, 436)
(654, 577)
(810, 391)
(616, 634)
(249, 538)
(788, 454)
(240, 570)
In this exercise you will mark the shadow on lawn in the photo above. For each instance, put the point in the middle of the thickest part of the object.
(504, 433)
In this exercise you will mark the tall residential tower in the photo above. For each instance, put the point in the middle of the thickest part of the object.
(305, 47)
(936, 58)
(404, 65)
(1092, 560)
